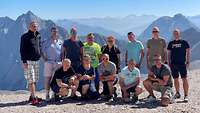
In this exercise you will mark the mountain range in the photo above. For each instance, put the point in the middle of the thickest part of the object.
(11, 76)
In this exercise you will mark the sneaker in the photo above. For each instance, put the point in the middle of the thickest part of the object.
(75, 97)
(185, 99)
(47, 97)
(39, 99)
(34, 101)
(30, 99)
(177, 95)
(151, 98)
(111, 99)
(115, 92)
(134, 99)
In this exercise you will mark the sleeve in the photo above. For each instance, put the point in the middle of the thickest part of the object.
(117, 50)
(114, 69)
(44, 46)
(72, 71)
(166, 71)
(57, 75)
(81, 44)
(121, 74)
(164, 43)
(98, 49)
(103, 48)
(138, 73)
(169, 47)
(187, 45)
(148, 44)
(99, 69)
(22, 49)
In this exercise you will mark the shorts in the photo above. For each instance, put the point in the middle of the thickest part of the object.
(82, 83)
(50, 68)
(166, 91)
(179, 69)
(31, 74)
(132, 89)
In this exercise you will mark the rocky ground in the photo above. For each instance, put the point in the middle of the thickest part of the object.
(15, 102)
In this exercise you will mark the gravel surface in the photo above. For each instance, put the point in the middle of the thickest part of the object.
(15, 102)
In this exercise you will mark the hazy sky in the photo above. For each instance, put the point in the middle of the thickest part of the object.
(60, 9)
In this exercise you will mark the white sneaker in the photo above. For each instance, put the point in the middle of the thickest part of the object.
(185, 99)
(151, 98)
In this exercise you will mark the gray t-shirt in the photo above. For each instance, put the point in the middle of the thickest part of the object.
(110, 69)
(159, 73)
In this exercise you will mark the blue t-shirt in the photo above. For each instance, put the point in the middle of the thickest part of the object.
(129, 76)
(134, 49)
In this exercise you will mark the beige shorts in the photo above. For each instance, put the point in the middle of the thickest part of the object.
(50, 68)
(31, 74)
(166, 91)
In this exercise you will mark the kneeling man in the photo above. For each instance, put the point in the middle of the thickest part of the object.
(129, 80)
(64, 79)
(159, 79)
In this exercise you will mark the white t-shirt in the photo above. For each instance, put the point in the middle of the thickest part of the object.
(129, 76)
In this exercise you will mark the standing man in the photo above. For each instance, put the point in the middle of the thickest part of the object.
(94, 51)
(179, 59)
(30, 50)
(51, 50)
(73, 49)
(156, 45)
(113, 51)
(134, 50)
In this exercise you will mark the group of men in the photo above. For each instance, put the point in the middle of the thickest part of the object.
(71, 65)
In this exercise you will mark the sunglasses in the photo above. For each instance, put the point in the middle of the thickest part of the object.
(54, 31)
(110, 41)
(157, 59)
(155, 31)
(105, 58)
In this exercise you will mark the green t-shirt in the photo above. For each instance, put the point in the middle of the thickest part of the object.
(93, 51)
(156, 46)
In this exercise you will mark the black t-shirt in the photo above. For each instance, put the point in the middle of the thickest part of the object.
(178, 51)
(83, 71)
(63, 75)
(112, 54)
(73, 51)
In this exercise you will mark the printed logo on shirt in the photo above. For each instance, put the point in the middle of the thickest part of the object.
(176, 46)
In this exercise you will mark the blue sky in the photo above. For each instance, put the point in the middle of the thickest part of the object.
(60, 9)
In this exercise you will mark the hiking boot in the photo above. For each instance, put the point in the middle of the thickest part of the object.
(30, 99)
(177, 95)
(36, 101)
(185, 99)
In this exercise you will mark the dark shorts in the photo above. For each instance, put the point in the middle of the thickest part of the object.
(55, 88)
(81, 84)
(179, 69)
(132, 89)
